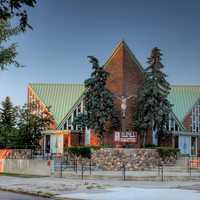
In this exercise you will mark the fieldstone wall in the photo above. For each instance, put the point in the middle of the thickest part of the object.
(133, 159)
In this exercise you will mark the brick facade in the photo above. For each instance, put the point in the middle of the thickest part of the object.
(125, 78)
(187, 122)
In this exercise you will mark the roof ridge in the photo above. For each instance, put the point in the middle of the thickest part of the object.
(185, 85)
(56, 83)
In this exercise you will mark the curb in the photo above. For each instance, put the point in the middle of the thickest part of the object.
(20, 191)
(36, 194)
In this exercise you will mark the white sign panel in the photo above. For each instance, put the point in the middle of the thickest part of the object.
(128, 136)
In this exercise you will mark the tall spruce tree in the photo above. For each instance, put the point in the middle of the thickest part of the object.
(8, 114)
(153, 105)
(8, 122)
(98, 101)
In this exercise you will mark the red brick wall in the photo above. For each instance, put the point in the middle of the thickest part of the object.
(125, 78)
(187, 122)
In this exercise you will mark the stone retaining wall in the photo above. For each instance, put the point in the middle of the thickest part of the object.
(134, 159)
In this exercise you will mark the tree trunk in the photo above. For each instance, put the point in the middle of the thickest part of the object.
(102, 139)
(144, 139)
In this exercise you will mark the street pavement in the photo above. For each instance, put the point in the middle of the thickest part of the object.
(16, 196)
(132, 193)
(99, 189)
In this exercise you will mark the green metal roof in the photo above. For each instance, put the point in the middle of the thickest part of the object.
(183, 99)
(61, 97)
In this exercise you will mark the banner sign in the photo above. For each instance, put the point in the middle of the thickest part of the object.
(128, 136)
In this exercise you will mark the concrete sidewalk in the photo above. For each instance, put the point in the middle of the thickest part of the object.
(51, 186)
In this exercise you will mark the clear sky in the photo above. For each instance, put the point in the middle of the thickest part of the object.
(66, 31)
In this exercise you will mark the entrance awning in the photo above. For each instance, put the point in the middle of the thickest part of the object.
(56, 132)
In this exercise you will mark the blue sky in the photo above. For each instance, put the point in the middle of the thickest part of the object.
(66, 31)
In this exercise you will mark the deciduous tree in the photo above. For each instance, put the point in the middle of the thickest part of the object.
(10, 9)
(8, 51)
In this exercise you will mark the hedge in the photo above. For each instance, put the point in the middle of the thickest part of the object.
(83, 151)
(167, 151)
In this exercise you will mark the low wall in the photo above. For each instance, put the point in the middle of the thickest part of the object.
(134, 159)
(20, 154)
(27, 167)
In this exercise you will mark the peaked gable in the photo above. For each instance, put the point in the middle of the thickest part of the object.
(123, 67)
(59, 97)
(125, 50)
(183, 99)
(126, 76)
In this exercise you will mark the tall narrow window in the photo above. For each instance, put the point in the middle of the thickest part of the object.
(172, 124)
(196, 118)
(69, 122)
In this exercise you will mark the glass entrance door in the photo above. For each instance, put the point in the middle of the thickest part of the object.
(185, 144)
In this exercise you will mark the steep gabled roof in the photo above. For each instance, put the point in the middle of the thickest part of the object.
(183, 99)
(122, 46)
(60, 97)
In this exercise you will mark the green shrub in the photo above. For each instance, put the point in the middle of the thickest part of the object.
(150, 146)
(83, 151)
(95, 148)
(107, 146)
(167, 151)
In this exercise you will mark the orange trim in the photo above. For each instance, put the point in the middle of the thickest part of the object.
(69, 140)
(94, 140)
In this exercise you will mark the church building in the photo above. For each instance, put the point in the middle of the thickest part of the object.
(126, 76)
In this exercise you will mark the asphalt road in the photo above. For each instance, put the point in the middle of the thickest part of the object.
(16, 196)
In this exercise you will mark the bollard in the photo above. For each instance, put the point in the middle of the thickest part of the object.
(76, 166)
(124, 172)
(90, 167)
(61, 167)
(162, 172)
(82, 171)
(190, 168)
(158, 170)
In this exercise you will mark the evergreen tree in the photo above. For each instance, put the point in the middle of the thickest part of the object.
(8, 53)
(8, 121)
(7, 114)
(98, 101)
(153, 105)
